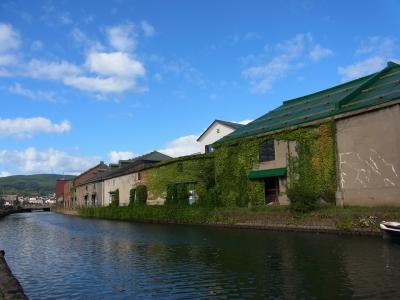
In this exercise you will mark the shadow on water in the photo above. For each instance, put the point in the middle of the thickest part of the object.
(57, 256)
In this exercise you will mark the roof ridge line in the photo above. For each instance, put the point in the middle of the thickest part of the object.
(347, 98)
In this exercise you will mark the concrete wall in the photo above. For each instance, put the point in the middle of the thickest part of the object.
(80, 192)
(368, 148)
(124, 184)
(212, 135)
(90, 189)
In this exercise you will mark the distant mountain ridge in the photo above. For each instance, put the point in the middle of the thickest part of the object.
(30, 185)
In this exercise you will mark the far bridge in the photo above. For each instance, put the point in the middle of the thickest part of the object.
(31, 208)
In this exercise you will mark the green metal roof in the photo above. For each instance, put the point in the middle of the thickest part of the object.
(378, 88)
(258, 174)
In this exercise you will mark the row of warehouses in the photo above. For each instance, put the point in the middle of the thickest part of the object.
(359, 158)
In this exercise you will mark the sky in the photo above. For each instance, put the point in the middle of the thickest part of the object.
(85, 81)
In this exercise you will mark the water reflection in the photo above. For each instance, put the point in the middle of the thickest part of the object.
(56, 256)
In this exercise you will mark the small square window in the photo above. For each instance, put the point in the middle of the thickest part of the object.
(209, 149)
(267, 151)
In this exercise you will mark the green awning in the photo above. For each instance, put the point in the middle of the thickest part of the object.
(258, 174)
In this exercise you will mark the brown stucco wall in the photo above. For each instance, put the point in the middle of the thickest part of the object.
(368, 149)
(67, 194)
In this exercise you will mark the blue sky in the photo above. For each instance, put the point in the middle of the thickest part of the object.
(83, 81)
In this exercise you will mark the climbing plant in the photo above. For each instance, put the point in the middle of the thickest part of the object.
(163, 179)
(115, 198)
(141, 195)
(311, 171)
(132, 196)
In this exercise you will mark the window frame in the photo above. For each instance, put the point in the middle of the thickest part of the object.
(267, 151)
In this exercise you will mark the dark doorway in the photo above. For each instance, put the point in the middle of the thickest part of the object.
(271, 188)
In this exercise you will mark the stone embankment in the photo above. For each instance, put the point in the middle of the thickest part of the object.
(6, 212)
(9, 285)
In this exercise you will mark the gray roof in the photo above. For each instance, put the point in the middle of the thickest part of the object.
(136, 164)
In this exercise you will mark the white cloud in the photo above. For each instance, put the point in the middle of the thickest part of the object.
(114, 64)
(362, 68)
(7, 59)
(147, 28)
(185, 70)
(9, 44)
(51, 70)
(9, 38)
(381, 45)
(31, 161)
(34, 95)
(64, 18)
(181, 146)
(4, 173)
(27, 127)
(37, 45)
(289, 55)
(101, 85)
(103, 71)
(318, 52)
(122, 37)
(244, 122)
(81, 38)
(116, 156)
(377, 51)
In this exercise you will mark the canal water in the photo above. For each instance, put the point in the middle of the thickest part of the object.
(62, 257)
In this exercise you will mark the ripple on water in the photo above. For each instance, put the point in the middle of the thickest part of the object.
(59, 257)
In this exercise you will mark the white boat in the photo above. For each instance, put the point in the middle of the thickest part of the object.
(390, 229)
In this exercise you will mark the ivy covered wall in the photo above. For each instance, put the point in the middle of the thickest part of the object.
(198, 168)
(313, 166)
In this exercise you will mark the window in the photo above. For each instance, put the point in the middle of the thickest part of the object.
(139, 176)
(217, 130)
(209, 148)
(267, 151)
(180, 167)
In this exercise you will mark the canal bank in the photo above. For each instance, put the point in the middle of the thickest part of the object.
(6, 212)
(10, 288)
(86, 258)
(334, 220)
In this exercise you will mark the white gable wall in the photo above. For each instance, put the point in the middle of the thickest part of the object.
(124, 184)
(212, 135)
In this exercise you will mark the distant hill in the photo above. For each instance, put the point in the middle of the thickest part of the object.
(30, 185)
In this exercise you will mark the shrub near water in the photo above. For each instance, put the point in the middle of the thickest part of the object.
(302, 200)
(141, 195)
(154, 214)
(115, 201)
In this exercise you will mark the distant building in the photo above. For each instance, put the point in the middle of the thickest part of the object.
(60, 183)
(67, 193)
(10, 200)
(216, 131)
(78, 195)
(129, 175)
